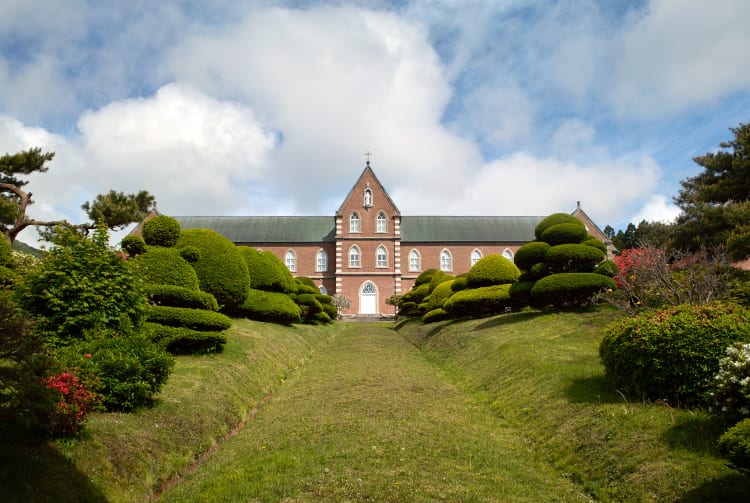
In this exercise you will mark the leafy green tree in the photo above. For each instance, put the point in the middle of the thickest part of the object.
(117, 209)
(715, 203)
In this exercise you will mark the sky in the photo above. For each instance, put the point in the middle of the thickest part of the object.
(503, 107)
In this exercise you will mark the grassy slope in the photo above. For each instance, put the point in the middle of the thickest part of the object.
(542, 374)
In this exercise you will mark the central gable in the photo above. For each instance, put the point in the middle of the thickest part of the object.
(367, 209)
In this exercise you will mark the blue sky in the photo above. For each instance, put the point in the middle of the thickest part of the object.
(470, 108)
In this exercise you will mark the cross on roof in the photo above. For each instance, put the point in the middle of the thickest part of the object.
(367, 155)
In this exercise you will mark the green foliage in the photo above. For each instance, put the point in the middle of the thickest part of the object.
(267, 271)
(196, 319)
(183, 341)
(274, 307)
(530, 254)
(416, 294)
(439, 295)
(133, 245)
(11, 166)
(435, 315)
(425, 277)
(408, 309)
(80, 288)
(554, 219)
(653, 233)
(221, 269)
(492, 270)
(459, 283)
(734, 445)
(190, 253)
(730, 388)
(178, 296)
(479, 302)
(129, 369)
(116, 209)
(161, 231)
(520, 294)
(607, 268)
(568, 289)
(592, 241)
(672, 354)
(312, 309)
(304, 280)
(164, 266)
(438, 278)
(567, 233)
(573, 258)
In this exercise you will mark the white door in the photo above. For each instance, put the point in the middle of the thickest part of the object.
(368, 299)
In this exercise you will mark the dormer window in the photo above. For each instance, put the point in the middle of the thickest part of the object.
(368, 197)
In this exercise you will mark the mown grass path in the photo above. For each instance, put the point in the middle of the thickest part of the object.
(369, 419)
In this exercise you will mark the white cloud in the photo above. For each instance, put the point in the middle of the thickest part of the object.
(657, 209)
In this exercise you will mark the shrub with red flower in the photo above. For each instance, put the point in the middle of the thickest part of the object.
(75, 401)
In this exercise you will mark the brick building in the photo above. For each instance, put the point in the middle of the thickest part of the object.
(368, 251)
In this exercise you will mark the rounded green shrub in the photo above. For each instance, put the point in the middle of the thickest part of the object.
(592, 241)
(425, 277)
(184, 341)
(492, 270)
(530, 254)
(607, 268)
(197, 319)
(574, 258)
(734, 445)
(311, 308)
(190, 253)
(221, 269)
(164, 266)
(672, 354)
(178, 296)
(538, 271)
(438, 278)
(435, 315)
(568, 289)
(554, 219)
(133, 245)
(267, 271)
(415, 295)
(479, 302)
(161, 231)
(304, 280)
(273, 307)
(520, 293)
(459, 283)
(565, 234)
(437, 298)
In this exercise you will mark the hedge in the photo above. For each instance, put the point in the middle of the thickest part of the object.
(182, 341)
(437, 298)
(221, 269)
(274, 307)
(197, 319)
(416, 294)
(674, 353)
(133, 245)
(555, 219)
(565, 233)
(479, 302)
(568, 289)
(530, 254)
(520, 293)
(438, 314)
(425, 276)
(607, 268)
(492, 270)
(161, 231)
(573, 258)
(734, 445)
(592, 241)
(267, 271)
(177, 296)
(164, 266)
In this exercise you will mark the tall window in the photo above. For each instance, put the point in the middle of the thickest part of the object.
(381, 223)
(291, 261)
(476, 256)
(381, 257)
(321, 261)
(414, 261)
(446, 261)
(354, 257)
(508, 254)
(354, 223)
(323, 290)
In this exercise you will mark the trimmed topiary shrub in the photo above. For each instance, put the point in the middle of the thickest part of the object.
(133, 245)
(311, 308)
(592, 241)
(221, 269)
(164, 266)
(459, 283)
(304, 280)
(570, 233)
(538, 271)
(183, 341)
(425, 277)
(492, 270)
(520, 293)
(438, 314)
(190, 253)
(408, 309)
(568, 289)
(479, 302)
(197, 319)
(672, 354)
(734, 445)
(438, 278)
(530, 254)
(178, 296)
(607, 268)
(161, 231)
(273, 307)
(439, 295)
(573, 258)
(416, 294)
(267, 271)
(554, 219)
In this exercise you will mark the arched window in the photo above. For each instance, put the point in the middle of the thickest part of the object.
(381, 257)
(354, 257)
(368, 198)
(290, 259)
(476, 256)
(508, 254)
(414, 261)
(381, 223)
(323, 290)
(446, 261)
(369, 289)
(321, 261)
(354, 223)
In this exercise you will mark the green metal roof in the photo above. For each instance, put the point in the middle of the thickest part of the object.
(428, 229)
(266, 229)
(414, 229)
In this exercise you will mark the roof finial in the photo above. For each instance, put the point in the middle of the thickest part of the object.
(367, 155)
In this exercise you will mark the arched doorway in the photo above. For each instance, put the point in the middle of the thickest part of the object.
(368, 299)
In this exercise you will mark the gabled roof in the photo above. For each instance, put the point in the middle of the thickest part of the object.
(427, 229)
(266, 229)
(367, 173)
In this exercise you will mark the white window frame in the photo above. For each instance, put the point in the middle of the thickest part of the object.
(290, 259)
(381, 223)
(476, 256)
(507, 253)
(381, 256)
(446, 261)
(355, 256)
(415, 261)
(321, 261)
(355, 223)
